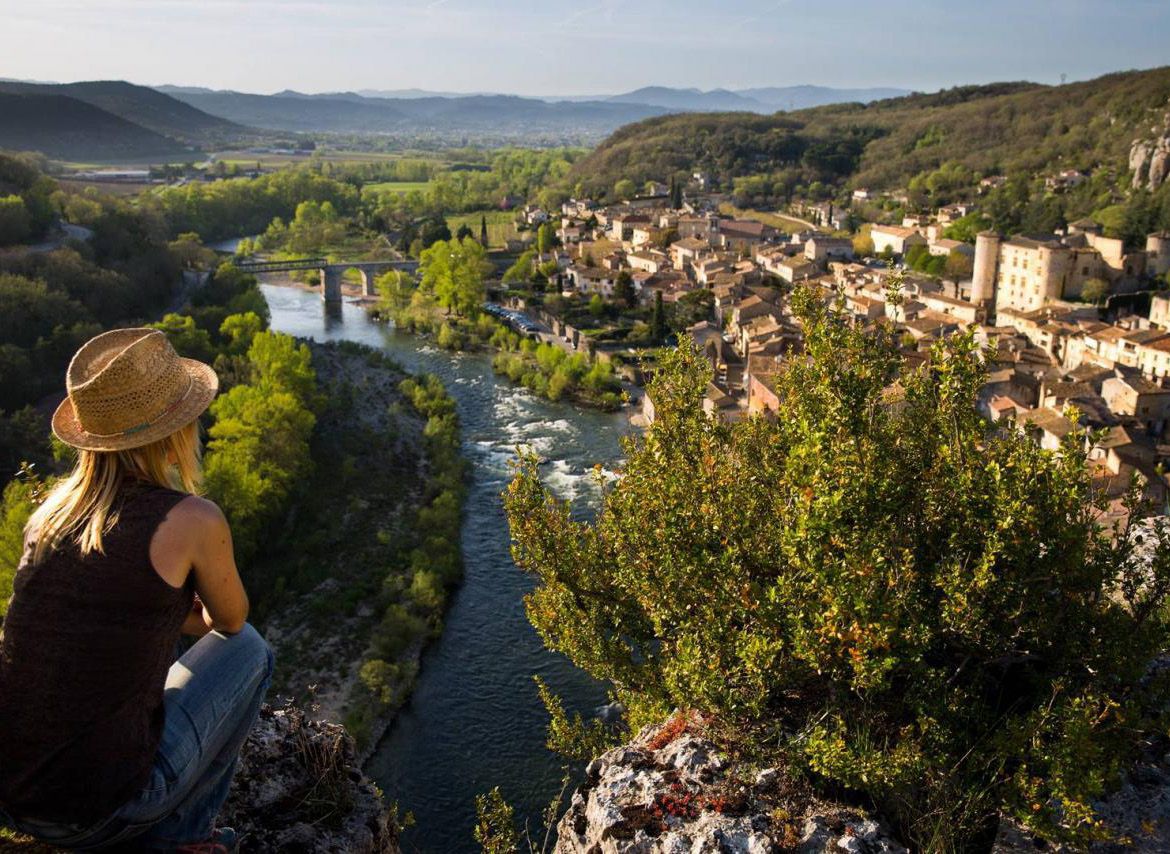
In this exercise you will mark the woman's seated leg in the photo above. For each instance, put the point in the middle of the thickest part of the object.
(212, 697)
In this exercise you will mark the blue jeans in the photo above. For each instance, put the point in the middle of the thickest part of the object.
(212, 698)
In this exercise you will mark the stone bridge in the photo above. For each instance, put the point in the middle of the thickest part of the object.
(332, 272)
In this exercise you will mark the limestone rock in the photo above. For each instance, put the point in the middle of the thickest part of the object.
(1149, 158)
(298, 788)
(678, 795)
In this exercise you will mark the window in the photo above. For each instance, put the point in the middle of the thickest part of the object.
(1084, 271)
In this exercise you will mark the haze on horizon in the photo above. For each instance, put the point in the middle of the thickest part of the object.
(574, 49)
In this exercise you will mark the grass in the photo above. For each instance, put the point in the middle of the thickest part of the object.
(248, 158)
(501, 225)
(396, 187)
(112, 188)
(776, 220)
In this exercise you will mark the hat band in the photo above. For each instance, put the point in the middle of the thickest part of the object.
(138, 428)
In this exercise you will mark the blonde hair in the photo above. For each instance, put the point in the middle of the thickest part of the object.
(83, 507)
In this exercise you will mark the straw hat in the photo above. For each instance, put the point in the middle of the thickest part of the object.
(128, 388)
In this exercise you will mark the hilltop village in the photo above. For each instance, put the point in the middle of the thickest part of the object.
(1076, 323)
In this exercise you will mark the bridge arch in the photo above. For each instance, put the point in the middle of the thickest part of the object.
(333, 272)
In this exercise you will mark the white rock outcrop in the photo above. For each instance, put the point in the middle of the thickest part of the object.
(1149, 158)
(678, 795)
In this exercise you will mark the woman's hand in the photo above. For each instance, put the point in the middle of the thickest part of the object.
(197, 623)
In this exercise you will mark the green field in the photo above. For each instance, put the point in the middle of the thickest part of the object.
(501, 225)
(396, 187)
(776, 220)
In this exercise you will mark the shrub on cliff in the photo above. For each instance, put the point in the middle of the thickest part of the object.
(877, 587)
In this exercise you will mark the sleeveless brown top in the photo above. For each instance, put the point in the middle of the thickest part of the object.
(84, 655)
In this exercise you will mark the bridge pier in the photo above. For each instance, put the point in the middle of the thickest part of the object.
(331, 284)
(369, 283)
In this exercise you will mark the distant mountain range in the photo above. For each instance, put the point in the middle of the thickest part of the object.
(765, 100)
(418, 110)
(115, 120)
(760, 100)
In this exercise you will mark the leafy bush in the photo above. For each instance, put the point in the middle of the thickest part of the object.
(882, 589)
(551, 372)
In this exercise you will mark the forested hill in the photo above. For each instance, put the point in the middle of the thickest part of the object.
(66, 128)
(140, 105)
(1006, 128)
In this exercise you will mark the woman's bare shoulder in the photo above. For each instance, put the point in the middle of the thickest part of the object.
(197, 515)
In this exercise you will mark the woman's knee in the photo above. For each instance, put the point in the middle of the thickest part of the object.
(257, 648)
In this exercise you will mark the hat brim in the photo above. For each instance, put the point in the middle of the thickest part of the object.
(204, 386)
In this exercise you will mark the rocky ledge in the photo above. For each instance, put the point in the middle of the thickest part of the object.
(298, 788)
(670, 791)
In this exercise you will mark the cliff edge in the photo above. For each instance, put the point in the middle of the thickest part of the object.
(299, 788)
(670, 790)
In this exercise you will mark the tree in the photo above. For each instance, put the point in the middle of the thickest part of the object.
(959, 265)
(596, 305)
(15, 508)
(394, 290)
(15, 223)
(241, 330)
(1095, 290)
(676, 195)
(454, 272)
(483, 234)
(863, 246)
(258, 453)
(546, 238)
(521, 269)
(966, 228)
(658, 320)
(623, 289)
(624, 189)
(900, 600)
(463, 232)
(189, 250)
(187, 338)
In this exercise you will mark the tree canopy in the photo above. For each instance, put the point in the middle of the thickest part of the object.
(880, 589)
(454, 272)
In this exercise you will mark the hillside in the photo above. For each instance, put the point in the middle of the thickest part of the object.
(142, 106)
(1001, 128)
(66, 128)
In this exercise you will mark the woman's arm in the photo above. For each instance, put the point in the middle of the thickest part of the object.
(195, 624)
(195, 541)
(213, 564)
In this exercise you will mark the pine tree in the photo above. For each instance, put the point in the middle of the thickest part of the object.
(658, 321)
(483, 238)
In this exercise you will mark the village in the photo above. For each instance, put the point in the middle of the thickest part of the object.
(1037, 304)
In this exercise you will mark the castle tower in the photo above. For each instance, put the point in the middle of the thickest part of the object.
(1158, 253)
(983, 273)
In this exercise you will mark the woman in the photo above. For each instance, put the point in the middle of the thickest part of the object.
(102, 738)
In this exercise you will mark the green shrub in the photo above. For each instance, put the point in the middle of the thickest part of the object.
(427, 591)
(900, 599)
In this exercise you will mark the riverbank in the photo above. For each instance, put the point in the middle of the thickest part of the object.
(543, 367)
(349, 610)
(474, 719)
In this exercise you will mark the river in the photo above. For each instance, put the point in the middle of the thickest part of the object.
(474, 720)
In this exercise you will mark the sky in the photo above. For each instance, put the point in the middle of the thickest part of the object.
(582, 47)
